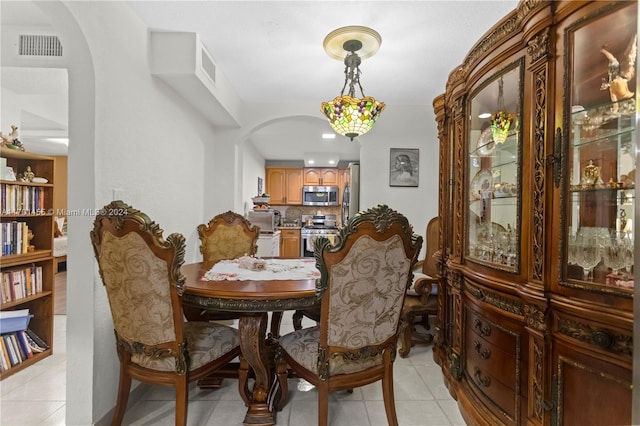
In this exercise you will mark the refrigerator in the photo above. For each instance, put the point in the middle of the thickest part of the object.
(351, 194)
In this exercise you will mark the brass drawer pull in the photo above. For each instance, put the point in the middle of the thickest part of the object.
(603, 339)
(483, 381)
(484, 331)
(484, 354)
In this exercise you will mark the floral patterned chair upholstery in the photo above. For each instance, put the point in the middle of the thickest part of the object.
(141, 274)
(421, 299)
(364, 278)
(227, 236)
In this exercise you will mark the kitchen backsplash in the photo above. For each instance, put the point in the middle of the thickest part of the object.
(296, 212)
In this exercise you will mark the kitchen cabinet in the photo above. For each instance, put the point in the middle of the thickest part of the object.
(537, 151)
(290, 243)
(268, 245)
(324, 177)
(284, 185)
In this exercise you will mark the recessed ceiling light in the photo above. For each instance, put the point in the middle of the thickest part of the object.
(332, 161)
(311, 161)
(64, 141)
(328, 136)
(485, 115)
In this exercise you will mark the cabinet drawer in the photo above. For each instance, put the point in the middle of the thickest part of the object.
(501, 398)
(492, 360)
(604, 338)
(490, 331)
(289, 233)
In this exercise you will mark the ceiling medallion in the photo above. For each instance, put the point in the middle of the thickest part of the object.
(348, 115)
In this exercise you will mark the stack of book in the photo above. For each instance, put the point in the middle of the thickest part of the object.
(18, 343)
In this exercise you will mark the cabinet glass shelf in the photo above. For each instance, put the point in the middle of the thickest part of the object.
(601, 184)
(493, 236)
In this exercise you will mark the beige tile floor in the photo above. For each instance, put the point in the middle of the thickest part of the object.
(36, 396)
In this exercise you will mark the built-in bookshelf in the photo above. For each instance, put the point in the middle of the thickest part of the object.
(26, 258)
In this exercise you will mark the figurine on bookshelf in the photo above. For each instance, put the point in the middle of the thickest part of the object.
(30, 247)
(11, 140)
(28, 175)
(620, 74)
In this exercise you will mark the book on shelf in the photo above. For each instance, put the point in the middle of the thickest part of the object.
(17, 347)
(35, 348)
(15, 238)
(21, 282)
(13, 356)
(38, 341)
(22, 199)
(21, 336)
(5, 362)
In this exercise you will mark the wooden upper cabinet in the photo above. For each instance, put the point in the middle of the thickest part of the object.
(284, 185)
(325, 177)
(275, 184)
(293, 179)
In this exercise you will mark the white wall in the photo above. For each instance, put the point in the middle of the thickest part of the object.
(132, 136)
(144, 144)
(401, 127)
(252, 169)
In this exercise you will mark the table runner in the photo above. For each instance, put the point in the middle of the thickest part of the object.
(275, 269)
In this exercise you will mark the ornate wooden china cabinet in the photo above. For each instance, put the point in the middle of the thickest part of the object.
(537, 170)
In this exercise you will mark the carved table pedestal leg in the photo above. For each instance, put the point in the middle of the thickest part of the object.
(253, 329)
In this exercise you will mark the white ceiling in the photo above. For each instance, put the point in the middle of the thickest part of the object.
(271, 51)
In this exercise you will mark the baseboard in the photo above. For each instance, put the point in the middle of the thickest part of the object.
(134, 397)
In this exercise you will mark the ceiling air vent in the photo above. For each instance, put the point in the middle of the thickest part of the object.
(39, 45)
(208, 66)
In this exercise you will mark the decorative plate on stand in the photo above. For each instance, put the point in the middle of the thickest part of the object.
(481, 185)
(485, 145)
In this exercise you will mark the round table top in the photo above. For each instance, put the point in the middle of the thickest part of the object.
(247, 296)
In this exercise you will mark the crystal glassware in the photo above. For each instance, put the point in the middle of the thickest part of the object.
(588, 255)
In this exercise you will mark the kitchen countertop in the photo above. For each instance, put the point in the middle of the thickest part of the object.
(288, 227)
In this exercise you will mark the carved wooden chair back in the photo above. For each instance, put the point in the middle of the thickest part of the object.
(227, 236)
(140, 271)
(364, 277)
(421, 299)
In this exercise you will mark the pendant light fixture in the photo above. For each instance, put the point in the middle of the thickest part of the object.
(348, 115)
(501, 119)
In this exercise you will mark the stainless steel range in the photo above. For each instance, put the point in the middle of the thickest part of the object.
(315, 226)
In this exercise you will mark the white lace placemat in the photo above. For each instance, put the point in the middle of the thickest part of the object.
(275, 269)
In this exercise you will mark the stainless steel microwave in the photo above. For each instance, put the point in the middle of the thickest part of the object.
(267, 220)
(320, 195)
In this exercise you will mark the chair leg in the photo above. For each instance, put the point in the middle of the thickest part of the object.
(124, 386)
(276, 320)
(182, 401)
(323, 403)
(297, 320)
(424, 321)
(387, 395)
(404, 335)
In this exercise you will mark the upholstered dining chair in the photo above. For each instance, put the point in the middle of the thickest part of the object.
(421, 299)
(227, 236)
(141, 274)
(364, 278)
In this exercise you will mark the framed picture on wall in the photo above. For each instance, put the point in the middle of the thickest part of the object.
(404, 166)
(259, 186)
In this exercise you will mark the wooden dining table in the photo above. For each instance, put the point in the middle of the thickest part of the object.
(253, 300)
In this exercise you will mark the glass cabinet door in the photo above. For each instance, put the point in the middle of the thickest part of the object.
(601, 151)
(493, 224)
